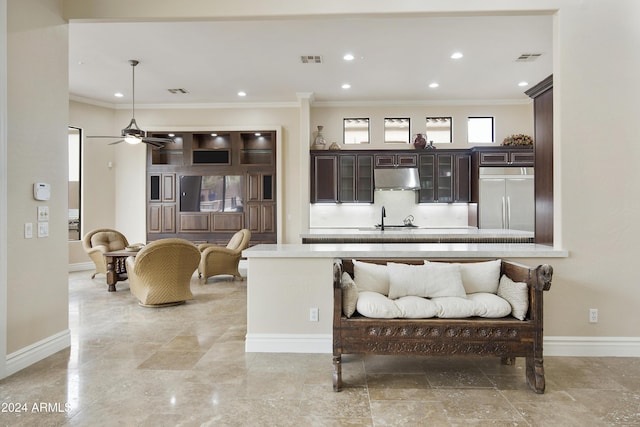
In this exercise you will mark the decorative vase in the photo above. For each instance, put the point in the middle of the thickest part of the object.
(420, 142)
(319, 142)
(430, 146)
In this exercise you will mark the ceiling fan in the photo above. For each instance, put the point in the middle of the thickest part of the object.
(132, 134)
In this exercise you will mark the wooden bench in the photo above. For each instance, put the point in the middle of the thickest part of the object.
(505, 337)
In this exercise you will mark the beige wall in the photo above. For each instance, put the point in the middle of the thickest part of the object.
(595, 143)
(98, 180)
(508, 120)
(131, 161)
(596, 148)
(37, 76)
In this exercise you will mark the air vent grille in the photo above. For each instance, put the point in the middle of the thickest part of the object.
(311, 59)
(528, 57)
(176, 91)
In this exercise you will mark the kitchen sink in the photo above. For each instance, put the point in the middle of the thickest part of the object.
(390, 227)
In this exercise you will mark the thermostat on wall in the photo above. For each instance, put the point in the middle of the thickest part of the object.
(41, 191)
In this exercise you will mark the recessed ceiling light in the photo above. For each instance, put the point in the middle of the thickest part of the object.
(214, 134)
(257, 134)
(241, 93)
(521, 84)
(118, 95)
(456, 55)
(348, 57)
(346, 86)
(434, 85)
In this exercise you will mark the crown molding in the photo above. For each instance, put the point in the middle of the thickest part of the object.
(433, 103)
(91, 101)
(296, 104)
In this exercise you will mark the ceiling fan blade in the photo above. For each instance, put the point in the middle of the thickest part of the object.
(157, 139)
(153, 143)
(116, 142)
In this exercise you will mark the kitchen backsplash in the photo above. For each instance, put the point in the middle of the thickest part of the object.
(398, 205)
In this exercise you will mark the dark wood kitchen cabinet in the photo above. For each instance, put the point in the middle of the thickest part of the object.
(395, 160)
(324, 178)
(505, 156)
(355, 178)
(444, 177)
(542, 95)
(344, 177)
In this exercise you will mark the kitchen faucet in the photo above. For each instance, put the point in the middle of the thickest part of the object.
(383, 214)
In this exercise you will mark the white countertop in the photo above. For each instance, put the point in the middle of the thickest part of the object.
(405, 250)
(410, 231)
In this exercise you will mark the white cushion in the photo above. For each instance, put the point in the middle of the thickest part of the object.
(516, 293)
(425, 280)
(489, 305)
(480, 276)
(454, 307)
(371, 277)
(416, 307)
(376, 305)
(349, 295)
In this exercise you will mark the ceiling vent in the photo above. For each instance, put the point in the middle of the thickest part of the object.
(176, 91)
(528, 57)
(311, 59)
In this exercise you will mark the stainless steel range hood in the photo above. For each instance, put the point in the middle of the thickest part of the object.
(396, 179)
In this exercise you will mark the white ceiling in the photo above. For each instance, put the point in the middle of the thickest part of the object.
(396, 59)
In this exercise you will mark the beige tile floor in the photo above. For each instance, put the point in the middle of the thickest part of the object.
(186, 366)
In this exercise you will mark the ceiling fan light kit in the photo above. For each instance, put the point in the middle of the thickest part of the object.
(132, 134)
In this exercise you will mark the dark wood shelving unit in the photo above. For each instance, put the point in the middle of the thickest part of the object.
(208, 185)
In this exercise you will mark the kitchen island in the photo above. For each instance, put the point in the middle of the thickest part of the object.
(286, 283)
(400, 234)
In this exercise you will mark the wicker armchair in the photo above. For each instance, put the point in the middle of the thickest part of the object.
(161, 272)
(216, 260)
(97, 242)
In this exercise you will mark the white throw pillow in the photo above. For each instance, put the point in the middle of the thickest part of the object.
(425, 280)
(454, 307)
(376, 305)
(480, 276)
(371, 277)
(349, 295)
(417, 307)
(490, 305)
(517, 294)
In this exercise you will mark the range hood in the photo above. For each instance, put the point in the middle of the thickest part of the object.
(396, 179)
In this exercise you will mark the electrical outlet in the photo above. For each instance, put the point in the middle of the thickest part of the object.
(313, 314)
(593, 315)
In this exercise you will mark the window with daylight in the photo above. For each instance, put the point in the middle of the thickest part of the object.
(480, 129)
(75, 159)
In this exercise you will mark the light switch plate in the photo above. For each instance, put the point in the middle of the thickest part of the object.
(28, 230)
(43, 213)
(43, 229)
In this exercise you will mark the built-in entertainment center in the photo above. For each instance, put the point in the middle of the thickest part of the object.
(207, 185)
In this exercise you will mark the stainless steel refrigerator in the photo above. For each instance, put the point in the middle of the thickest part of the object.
(507, 198)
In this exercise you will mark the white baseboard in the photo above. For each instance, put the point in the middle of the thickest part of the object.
(553, 346)
(289, 343)
(81, 266)
(35, 352)
(592, 346)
